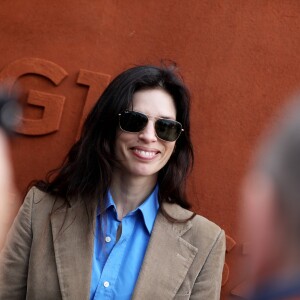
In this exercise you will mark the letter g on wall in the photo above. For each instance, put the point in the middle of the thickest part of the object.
(52, 104)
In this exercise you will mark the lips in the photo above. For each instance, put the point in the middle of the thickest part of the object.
(145, 153)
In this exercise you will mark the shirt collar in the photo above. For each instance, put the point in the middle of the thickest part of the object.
(148, 208)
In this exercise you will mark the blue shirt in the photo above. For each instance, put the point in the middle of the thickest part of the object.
(116, 263)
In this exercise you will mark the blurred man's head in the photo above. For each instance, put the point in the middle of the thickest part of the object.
(272, 199)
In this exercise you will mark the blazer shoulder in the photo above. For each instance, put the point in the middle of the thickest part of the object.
(34, 193)
(202, 231)
(202, 224)
(42, 201)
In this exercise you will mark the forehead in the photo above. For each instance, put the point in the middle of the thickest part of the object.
(155, 102)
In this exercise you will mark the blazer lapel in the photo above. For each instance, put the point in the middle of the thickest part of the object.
(73, 241)
(167, 260)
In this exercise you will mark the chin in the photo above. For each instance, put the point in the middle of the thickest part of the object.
(143, 171)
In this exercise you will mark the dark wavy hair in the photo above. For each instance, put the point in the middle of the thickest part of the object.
(87, 169)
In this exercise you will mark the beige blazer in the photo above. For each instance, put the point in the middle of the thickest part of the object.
(49, 256)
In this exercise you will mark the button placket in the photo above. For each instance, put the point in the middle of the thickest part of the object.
(108, 278)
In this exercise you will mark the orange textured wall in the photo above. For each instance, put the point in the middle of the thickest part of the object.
(240, 59)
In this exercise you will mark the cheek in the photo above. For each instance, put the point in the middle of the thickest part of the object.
(256, 219)
(122, 139)
(118, 148)
(260, 228)
(169, 149)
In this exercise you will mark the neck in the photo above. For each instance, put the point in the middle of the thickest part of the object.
(129, 192)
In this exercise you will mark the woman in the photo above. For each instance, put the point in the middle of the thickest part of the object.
(113, 222)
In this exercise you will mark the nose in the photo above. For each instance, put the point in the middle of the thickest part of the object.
(148, 135)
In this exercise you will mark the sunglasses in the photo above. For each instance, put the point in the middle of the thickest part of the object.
(165, 129)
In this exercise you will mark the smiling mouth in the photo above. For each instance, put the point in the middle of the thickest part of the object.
(146, 154)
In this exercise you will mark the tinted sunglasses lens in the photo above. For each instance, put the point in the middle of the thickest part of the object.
(168, 130)
(133, 121)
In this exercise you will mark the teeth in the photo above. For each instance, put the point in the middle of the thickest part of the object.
(147, 154)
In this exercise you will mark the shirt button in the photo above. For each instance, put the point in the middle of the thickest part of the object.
(107, 239)
(106, 284)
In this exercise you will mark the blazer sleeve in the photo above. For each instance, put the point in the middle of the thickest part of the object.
(14, 257)
(208, 283)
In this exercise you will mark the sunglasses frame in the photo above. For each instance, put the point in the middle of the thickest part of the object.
(150, 117)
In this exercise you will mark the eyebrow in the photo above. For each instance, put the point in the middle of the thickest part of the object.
(166, 117)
